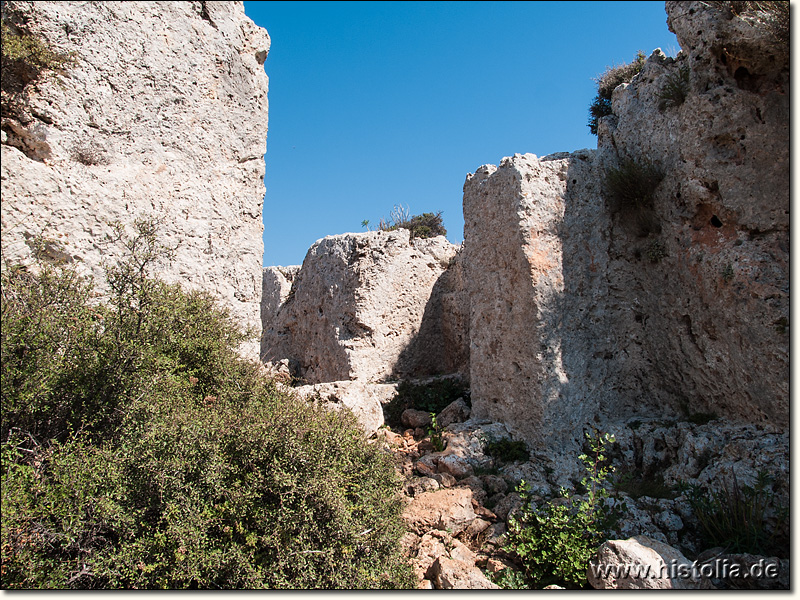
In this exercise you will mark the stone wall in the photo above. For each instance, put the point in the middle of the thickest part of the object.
(162, 115)
(583, 312)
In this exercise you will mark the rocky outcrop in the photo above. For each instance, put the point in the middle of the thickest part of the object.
(536, 234)
(162, 114)
(714, 309)
(365, 306)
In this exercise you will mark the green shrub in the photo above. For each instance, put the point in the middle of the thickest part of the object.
(727, 273)
(736, 517)
(607, 83)
(25, 57)
(425, 225)
(506, 450)
(675, 89)
(432, 397)
(554, 543)
(656, 251)
(139, 450)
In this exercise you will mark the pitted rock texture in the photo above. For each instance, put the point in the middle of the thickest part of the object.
(641, 563)
(364, 400)
(163, 115)
(365, 307)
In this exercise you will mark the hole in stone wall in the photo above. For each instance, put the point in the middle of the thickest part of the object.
(715, 221)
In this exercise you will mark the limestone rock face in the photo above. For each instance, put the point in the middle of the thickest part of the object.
(365, 306)
(581, 309)
(162, 115)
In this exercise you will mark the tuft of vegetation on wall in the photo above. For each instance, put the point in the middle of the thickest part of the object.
(426, 225)
(772, 15)
(25, 57)
(607, 83)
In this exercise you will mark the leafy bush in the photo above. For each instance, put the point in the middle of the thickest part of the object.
(736, 517)
(139, 450)
(432, 397)
(607, 83)
(507, 450)
(554, 543)
(675, 89)
(425, 225)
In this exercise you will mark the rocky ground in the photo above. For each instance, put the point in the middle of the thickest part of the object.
(459, 498)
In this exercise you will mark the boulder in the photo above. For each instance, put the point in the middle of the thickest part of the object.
(455, 466)
(365, 400)
(415, 418)
(446, 510)
(455, 412)
(449, 574)
(642, 563)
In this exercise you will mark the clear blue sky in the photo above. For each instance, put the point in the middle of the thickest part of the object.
(377, 104)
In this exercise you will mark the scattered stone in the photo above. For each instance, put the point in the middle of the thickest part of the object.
(476, 527)
(495, 484)
(495, 564)
(425, 470)
(456, 466)
(493, 535)
(422, 485)
(507, 506)
(415, 418)
(446, 510)
(449, 574)
(455, 412)
(445, 479)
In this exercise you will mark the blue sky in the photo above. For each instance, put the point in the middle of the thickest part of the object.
(372, 105)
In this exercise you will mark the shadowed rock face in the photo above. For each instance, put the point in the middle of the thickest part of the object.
(580, 315)
(359, 302)
(163, 114)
